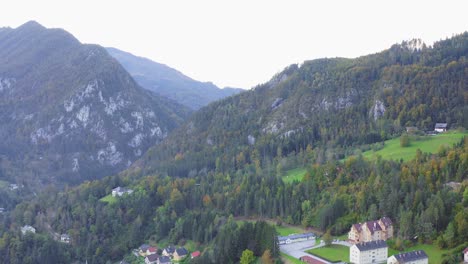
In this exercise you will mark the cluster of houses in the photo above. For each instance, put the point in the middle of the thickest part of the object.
(282, 240)
(168, 254)
(381, 229)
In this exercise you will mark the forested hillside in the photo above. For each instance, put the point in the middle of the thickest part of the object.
(329, 104)
(229, 161)
(330, 196)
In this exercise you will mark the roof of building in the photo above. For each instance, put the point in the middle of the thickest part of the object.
(164, 259)
(296, 236)
(466, 250)
(181, 251)
(386, 221)
(441, 125)
(152, 249)
(358, 227)
(311, 260)
(152, 257)
(144, 247)
(170, 249)
(411, 256)
(371, 245)
(196, 254)
(373, 226)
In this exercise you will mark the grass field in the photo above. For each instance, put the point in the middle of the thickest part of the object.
(108, 199)
(289, 230)
(332, 252)
(290, 260)
(294, 175)
(430, 144)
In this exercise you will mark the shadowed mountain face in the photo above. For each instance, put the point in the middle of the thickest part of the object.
(169, 82)
(71, 112)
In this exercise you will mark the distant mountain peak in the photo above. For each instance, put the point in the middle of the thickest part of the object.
(169, 82)
(32, 25)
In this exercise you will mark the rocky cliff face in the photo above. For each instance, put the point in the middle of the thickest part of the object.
(69, 111)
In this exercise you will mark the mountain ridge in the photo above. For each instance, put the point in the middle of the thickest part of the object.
(170, 82)
(71, 110)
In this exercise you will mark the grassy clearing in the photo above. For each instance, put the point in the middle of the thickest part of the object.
(108, 199)
(332, 252)
(290, 260)
(4, 184)
(429, 144)
(294, 175)
(289, 230)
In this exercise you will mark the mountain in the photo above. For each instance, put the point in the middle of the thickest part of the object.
(328, 105)
(71, 112)
(169, 82)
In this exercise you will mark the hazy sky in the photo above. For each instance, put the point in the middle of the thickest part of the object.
(243, 43)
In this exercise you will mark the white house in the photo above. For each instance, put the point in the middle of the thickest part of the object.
(65, 238)
(369, 252)
(465, 255)
(440, 127)
(413, 257)
(119, 191)
(295, 238)
(28, 228)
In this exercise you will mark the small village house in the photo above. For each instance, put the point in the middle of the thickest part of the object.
(65, 238)
(27, 228)
(413, 257)
(440, 127)
(381, 229)
(465, 255)
(151, 251)
(180, 254)
(142, 250)
(169, 251)
(195, 254)
(369, 252)
(164, 260)
(119, 191)
(151, 259)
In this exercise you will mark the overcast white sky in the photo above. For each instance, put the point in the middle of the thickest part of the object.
(243, 43)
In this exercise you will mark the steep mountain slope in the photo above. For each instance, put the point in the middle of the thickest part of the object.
(327, 104)
(169, 82)
(69, 111)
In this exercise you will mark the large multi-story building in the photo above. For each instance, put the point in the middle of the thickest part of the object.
(369, 252)
(381, 229)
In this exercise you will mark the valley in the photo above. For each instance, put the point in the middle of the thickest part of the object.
(322, 147)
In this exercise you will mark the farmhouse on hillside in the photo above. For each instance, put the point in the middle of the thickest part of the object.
(381, 229)
(369, 252)
(27, 228)
(119, 191)
(180, 254)
(440, 127)
(151, 259)
(413, 257)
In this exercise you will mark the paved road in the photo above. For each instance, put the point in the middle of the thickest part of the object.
(297, 250)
